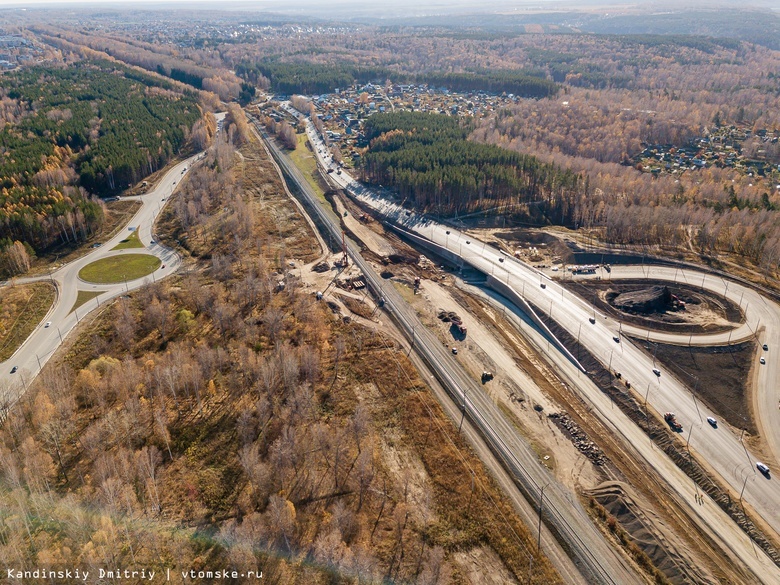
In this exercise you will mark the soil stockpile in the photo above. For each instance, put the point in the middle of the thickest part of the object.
(649, 300)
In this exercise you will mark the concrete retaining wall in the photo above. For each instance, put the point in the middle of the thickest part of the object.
(440, 251)
(495, 284)
(520, 302)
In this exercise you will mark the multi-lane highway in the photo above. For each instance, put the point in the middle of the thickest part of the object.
(721, 448)
(595, 558)
(44, 340)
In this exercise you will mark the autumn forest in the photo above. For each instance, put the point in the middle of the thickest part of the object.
(220, 416)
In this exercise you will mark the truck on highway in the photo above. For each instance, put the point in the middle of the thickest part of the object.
(584, 269)
(671, 420)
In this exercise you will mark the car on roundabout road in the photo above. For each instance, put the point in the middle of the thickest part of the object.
(765, 347)
(48, 324)
(713, 422)
(13, 370)
(763, 468)
(762, 361)
(657, 372)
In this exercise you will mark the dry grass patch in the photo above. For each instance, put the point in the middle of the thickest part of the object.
(464, 519)
(22, 308)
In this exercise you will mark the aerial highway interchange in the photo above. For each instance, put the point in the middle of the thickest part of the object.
(722, 448)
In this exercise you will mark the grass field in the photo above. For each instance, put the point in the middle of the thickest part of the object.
(119, 268)
(305, 161)
(131, 241)
(22, 308)
(84, 296)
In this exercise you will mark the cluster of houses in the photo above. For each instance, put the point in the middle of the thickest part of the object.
(343, 111)
(16, 50)
(723, 147)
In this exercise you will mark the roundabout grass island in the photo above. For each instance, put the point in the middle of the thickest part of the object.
(119, 268)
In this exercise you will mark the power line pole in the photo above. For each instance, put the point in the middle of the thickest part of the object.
(539, 535)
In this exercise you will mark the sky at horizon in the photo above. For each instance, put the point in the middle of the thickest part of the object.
(346, 9)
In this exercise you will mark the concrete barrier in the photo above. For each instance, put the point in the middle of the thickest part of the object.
(440, 251)
(520, 302)
(498, 286)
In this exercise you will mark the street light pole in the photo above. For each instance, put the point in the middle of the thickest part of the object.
(696, 404)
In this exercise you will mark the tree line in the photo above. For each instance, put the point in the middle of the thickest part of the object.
(157, 58)
(87, 129)
(308, 78)
(429, 161)
(290, 77)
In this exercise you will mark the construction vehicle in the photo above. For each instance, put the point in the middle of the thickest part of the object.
(460, 326)
(671, 420)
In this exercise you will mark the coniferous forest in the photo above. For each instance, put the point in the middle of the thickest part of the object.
(429, 160)
(71, 133)
(290, 77)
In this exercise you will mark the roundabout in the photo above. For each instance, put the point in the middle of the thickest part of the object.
(119, 268)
